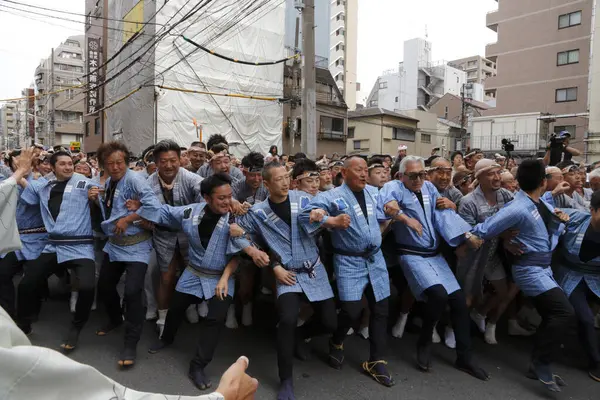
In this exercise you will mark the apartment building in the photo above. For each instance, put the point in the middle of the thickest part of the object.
(418, 82)
(59, 117)
(478, 68)
(543, 58)
(9, 124)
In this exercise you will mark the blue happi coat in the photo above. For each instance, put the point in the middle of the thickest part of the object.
(570, 244)
(206, 266)
(73, 219)
(536, 241)
(429, 269)
(186, 190)
(132, 186)
(292, 245)
(30, 217)
(353, 273)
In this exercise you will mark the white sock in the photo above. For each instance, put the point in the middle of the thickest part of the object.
(398, 328)
(490, 334)
(162, 315)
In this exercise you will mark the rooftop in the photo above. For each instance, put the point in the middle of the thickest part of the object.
(374, 111)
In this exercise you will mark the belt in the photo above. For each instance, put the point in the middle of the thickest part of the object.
(164, 229)
(69, 240)
(41, 229)
(581, 267)
(368, 253)
(539, 259)
(204, 272)
(308, 267)
(131, 239)
(405, 249)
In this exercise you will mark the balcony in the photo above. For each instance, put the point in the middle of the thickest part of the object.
(492, 50)
(492, 19)
(522, 142)
(331, 135)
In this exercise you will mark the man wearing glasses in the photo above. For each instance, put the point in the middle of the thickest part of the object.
(419, 229)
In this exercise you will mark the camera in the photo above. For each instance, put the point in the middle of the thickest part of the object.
(508, 145)
(557, 140)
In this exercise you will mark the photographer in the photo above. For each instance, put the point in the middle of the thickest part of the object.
(558, 150)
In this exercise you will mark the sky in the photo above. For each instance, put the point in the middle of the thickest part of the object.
(455, 28)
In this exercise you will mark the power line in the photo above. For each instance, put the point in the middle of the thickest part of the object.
(72, 13)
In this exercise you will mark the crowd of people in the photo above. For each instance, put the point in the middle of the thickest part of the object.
(186, 233)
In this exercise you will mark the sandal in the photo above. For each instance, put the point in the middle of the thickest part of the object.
(71, 342)
(105, 330)
(378, 371)
(128, 356)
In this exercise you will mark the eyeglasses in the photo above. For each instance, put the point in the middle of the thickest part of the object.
(413, 176)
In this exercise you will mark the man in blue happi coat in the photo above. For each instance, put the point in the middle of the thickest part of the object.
(65, 210)
(129, 245)
(539, 227)
(296, 264)
(349, 212)
(209, 275)
(32, 232)
(577, 271)
(419, 227)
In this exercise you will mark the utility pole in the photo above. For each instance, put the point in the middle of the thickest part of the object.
(309, 102)
(51, 124)
(295, 90)
(463, 112)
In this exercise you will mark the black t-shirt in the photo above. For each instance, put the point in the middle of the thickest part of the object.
(207, 226)
(109, 196)
(360, 197)
(283, 210)
(420, 198)
(559, 154)
(590, 246)
(56, 196)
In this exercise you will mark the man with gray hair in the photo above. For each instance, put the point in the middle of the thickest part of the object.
(556, 188)
(594, 179)
(420, 226)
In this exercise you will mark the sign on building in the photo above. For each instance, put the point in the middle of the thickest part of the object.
(93, 63)
(75, 146)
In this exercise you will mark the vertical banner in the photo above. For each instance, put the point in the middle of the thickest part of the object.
(93, 62)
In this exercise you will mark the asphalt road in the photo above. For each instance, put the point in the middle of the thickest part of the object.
(167, 372)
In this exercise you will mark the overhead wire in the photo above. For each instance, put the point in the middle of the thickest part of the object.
(71, 13)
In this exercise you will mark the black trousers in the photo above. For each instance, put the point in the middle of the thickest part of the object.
(349, 315)
(585, 321)
(9, 267)
(39, 270)
(110, 274)
(557, 314)
(436, 300)
(210, 327)
(324, 321)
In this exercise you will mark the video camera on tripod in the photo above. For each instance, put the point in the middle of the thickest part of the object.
(508, 145)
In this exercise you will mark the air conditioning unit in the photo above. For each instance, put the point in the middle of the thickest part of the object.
(299, 5)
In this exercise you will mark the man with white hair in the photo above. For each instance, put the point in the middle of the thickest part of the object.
(509, 182)
(420, 226)
(594, 178)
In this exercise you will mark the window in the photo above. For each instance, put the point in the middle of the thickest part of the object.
(446, 112)
(69, 94)
(396, 100)
(383, 85)
(569, 128)
(425, 138)
(350, 133)
(357, 145)
(567, 94)
(72, 43)
(373, 103)
(403, 134)
(340, 32)
(339, 62)
(87, 128)
(65, 67)
(571, 19)
(340, 47)
(339, 17)
(97, 129)
(567, 57)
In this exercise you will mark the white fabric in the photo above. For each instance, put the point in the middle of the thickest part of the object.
(9, 233)
(31, 372)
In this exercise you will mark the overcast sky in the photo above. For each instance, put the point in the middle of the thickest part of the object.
(456, 29)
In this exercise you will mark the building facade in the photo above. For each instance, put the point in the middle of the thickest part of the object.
(450, 108)
(331, 114)
(543, 59)
(9, 124)
(478, 68)
(418, 82)
(59, 116)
